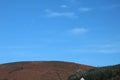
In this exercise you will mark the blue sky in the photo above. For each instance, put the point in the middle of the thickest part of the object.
(81, 31)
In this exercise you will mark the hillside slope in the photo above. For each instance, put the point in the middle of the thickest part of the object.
(46, 70)
(100, 73)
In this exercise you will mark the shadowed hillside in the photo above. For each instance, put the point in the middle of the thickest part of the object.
(100, 73)
(46, 70)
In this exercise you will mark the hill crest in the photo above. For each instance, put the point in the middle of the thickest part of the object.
(35, 70)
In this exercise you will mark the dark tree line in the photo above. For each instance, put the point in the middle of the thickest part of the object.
(101, 73)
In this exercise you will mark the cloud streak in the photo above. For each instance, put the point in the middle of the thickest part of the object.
(78, 31)
(111, 6)
(50, 13)
(63, 6)
(17, 47)
(84, 9)
(97, 49)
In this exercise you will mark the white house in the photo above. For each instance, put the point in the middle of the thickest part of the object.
(82, 78)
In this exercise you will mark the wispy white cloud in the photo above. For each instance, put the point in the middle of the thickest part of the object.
(97, 49)
(77, 31)
(84, 9)
(65, 14)
(108, 48)
(107, 51)
(17, 47)
(50, 13)
(73, 1)
(109, 7)
(63, 6)
(114, 6)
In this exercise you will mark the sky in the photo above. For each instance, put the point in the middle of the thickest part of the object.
(80, 31)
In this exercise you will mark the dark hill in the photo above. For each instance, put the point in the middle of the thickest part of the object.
(46, 70)
(99, 73)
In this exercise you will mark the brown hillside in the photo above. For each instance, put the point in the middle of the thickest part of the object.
(46, 70)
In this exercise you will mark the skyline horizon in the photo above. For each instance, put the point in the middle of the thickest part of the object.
(97, 65)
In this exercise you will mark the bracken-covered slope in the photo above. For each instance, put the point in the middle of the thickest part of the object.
(45, 70)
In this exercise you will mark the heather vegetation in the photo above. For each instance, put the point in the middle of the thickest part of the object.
(99, 73)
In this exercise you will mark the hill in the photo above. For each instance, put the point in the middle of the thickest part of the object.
(44, 70)
(100, 73)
